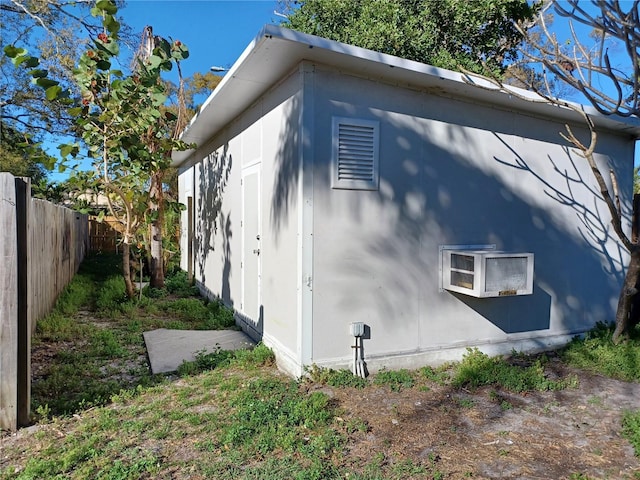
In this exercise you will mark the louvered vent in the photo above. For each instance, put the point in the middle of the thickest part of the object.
(355, 154)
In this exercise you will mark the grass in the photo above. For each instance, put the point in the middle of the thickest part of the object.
(631, 429)
(108, 352)
(396, 380)
(478, 369)
(597, 353)
(335, 378)
(231, 415)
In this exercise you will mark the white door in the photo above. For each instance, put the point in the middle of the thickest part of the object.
(251, 230)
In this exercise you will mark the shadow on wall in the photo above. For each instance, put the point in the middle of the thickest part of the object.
(596, 229)
(513, 314)
(253, 328)
(433, 190)
(287, 168)
(227, 233)
(213, 175)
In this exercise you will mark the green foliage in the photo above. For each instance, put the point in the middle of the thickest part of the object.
(111, 295)
(178, 284)
(631, 429)
(120, 120)
(597, 353)
(395, 379)
(203, 314)
(478, 369)
(55, 35)
(58, 327)
(104, 343)
(335, 378)
(258, 356)
(151, 292)
(446, 33)
(439, 376)
(268, 414)
(206, 361)
(21, 156)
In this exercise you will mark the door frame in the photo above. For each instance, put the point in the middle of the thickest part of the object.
(253, 169)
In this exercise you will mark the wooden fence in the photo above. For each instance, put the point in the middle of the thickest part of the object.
(104, 235)
(41, 248)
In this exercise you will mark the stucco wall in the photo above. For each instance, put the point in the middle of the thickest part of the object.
(263, 137)
(452, 172)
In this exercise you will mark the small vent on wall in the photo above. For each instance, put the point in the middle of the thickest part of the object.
(355, 154)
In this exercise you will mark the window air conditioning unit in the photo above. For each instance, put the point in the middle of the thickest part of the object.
(487, 273)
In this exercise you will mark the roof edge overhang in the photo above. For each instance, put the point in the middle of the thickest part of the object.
(276, 50)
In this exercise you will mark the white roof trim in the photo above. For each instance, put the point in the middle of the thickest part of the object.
(276, 50)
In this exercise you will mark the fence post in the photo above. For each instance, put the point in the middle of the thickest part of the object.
(23, 218)
(8, 304)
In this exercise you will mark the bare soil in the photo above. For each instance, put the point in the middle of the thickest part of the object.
(493, 434)
(482, 434)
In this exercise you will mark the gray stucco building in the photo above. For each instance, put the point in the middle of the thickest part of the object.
(328, 180)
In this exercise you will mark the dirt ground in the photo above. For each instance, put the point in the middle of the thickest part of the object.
(482, 434)
(492, 434)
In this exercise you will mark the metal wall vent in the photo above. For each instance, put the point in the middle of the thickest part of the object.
(355, 154)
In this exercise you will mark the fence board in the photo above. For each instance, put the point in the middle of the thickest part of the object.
(8, 304)
(58, 243)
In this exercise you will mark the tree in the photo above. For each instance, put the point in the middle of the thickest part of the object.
(120, 121)
(55, 32)
(611, 89)
(154, 140)
(444, 33)
(19, 156)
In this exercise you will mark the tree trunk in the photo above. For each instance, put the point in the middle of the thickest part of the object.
(126, 270)
(624, 320)
(156, 265)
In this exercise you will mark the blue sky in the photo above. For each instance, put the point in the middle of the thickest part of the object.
(216, 31)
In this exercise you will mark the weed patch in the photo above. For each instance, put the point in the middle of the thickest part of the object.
(478, 369)
(58, 327)
(439, 375)
(255, 357)
(597, 353)
(111, 296)
(269, 414)
(396, 380)
(335, 378)
(201, 314)
(178, 284)
(631, 429)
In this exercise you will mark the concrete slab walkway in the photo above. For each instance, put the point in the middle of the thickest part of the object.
(167, 349)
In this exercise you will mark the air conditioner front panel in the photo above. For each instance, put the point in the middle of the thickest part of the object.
(505, 273)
